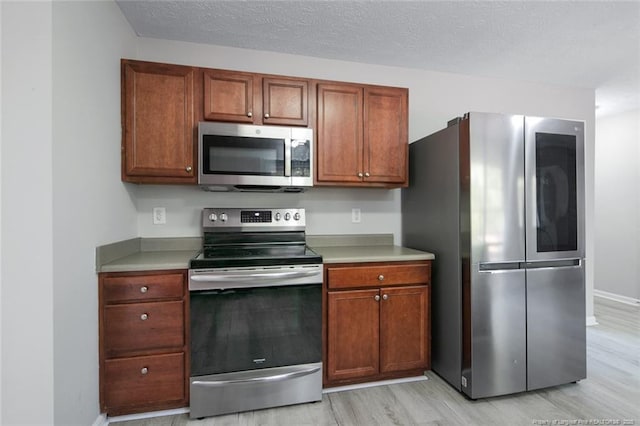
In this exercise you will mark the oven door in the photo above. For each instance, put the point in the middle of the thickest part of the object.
(254, 318)
(255, 338)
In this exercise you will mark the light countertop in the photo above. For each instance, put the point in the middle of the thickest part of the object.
(148, 254)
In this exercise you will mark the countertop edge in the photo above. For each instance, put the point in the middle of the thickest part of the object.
(155, 254)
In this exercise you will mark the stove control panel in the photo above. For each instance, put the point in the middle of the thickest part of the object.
(272, 219)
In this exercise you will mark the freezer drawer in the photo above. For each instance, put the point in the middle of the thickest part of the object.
(495, 347)
(556, 328)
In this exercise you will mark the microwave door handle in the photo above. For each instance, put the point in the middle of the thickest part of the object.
(287, 157)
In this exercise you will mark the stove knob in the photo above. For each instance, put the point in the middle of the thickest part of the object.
(287, 216)
(278, 217)
(224, 217)
(296, 216)
(213, 217)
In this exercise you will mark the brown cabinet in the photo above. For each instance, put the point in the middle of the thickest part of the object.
(255, 98)
(158, 122)
(361, 130)
(377, 321)
(362, 135)
(143, 341)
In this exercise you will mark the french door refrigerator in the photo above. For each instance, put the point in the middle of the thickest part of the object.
(499, 199)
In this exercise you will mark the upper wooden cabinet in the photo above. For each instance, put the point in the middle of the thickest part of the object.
(158, 117)
(362, 135)
(255, 98)
(361, 130)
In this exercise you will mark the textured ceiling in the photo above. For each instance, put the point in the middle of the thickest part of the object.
(594, 44)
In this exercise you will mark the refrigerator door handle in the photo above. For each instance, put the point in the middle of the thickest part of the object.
(498, 266)
(563, 263)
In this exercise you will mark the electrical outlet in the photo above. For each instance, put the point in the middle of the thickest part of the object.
(355, 215)
(159, 215)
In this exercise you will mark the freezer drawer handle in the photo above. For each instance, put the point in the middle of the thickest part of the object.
(539, 264)
(552, 264)
(498, 266)
(274, 378)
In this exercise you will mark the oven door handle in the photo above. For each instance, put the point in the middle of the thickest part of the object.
(247, 277)
(267, 379)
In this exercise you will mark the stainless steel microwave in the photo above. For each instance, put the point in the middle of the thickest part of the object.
(242, 157)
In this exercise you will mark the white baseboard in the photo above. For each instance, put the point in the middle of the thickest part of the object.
(141, 416)
(372, 384)
(591, 321)
(101, 420)
(617, 297)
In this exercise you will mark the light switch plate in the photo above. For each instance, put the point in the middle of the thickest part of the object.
(159, 215)
(355, 215)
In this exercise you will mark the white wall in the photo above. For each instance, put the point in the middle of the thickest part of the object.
(434, 98)
(1, 133)
(617, 195)
(91, 206)
(27, 236)
(61, 197)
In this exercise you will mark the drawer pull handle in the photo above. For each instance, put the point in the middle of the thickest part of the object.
(385, 297)
(380, 277)
(377, 297)
(144, 370)
(144, 289)
(144, 317)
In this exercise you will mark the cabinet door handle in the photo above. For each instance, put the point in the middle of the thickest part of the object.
(360, 175)
(367, 174)
(266, 115)
(377, 297)
(380, 277)
(249, 114)
(188, 169)
(144, 370)
(144, 289)
(385, 297)
(144, 317)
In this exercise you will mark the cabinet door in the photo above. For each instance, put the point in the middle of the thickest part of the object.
(285, 101)
(339, 138)
(385, 135)
(159, 122)
(228, 96)
(352, 334)
(404, 328)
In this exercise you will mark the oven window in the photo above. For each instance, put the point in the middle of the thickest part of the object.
(246, 329)
(232, 155)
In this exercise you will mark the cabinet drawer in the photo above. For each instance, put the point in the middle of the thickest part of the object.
(131, 288)
(144, 380)
(376, 276)
(139, 327)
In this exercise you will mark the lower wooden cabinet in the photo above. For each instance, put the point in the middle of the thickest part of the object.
(143, 341)
(376, 332)
(144, 380)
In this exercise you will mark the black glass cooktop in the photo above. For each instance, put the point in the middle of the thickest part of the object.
(255, 255)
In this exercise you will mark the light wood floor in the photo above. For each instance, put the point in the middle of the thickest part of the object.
(610, 394)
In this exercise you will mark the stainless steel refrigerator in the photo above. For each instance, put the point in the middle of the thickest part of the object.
(499, 199)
